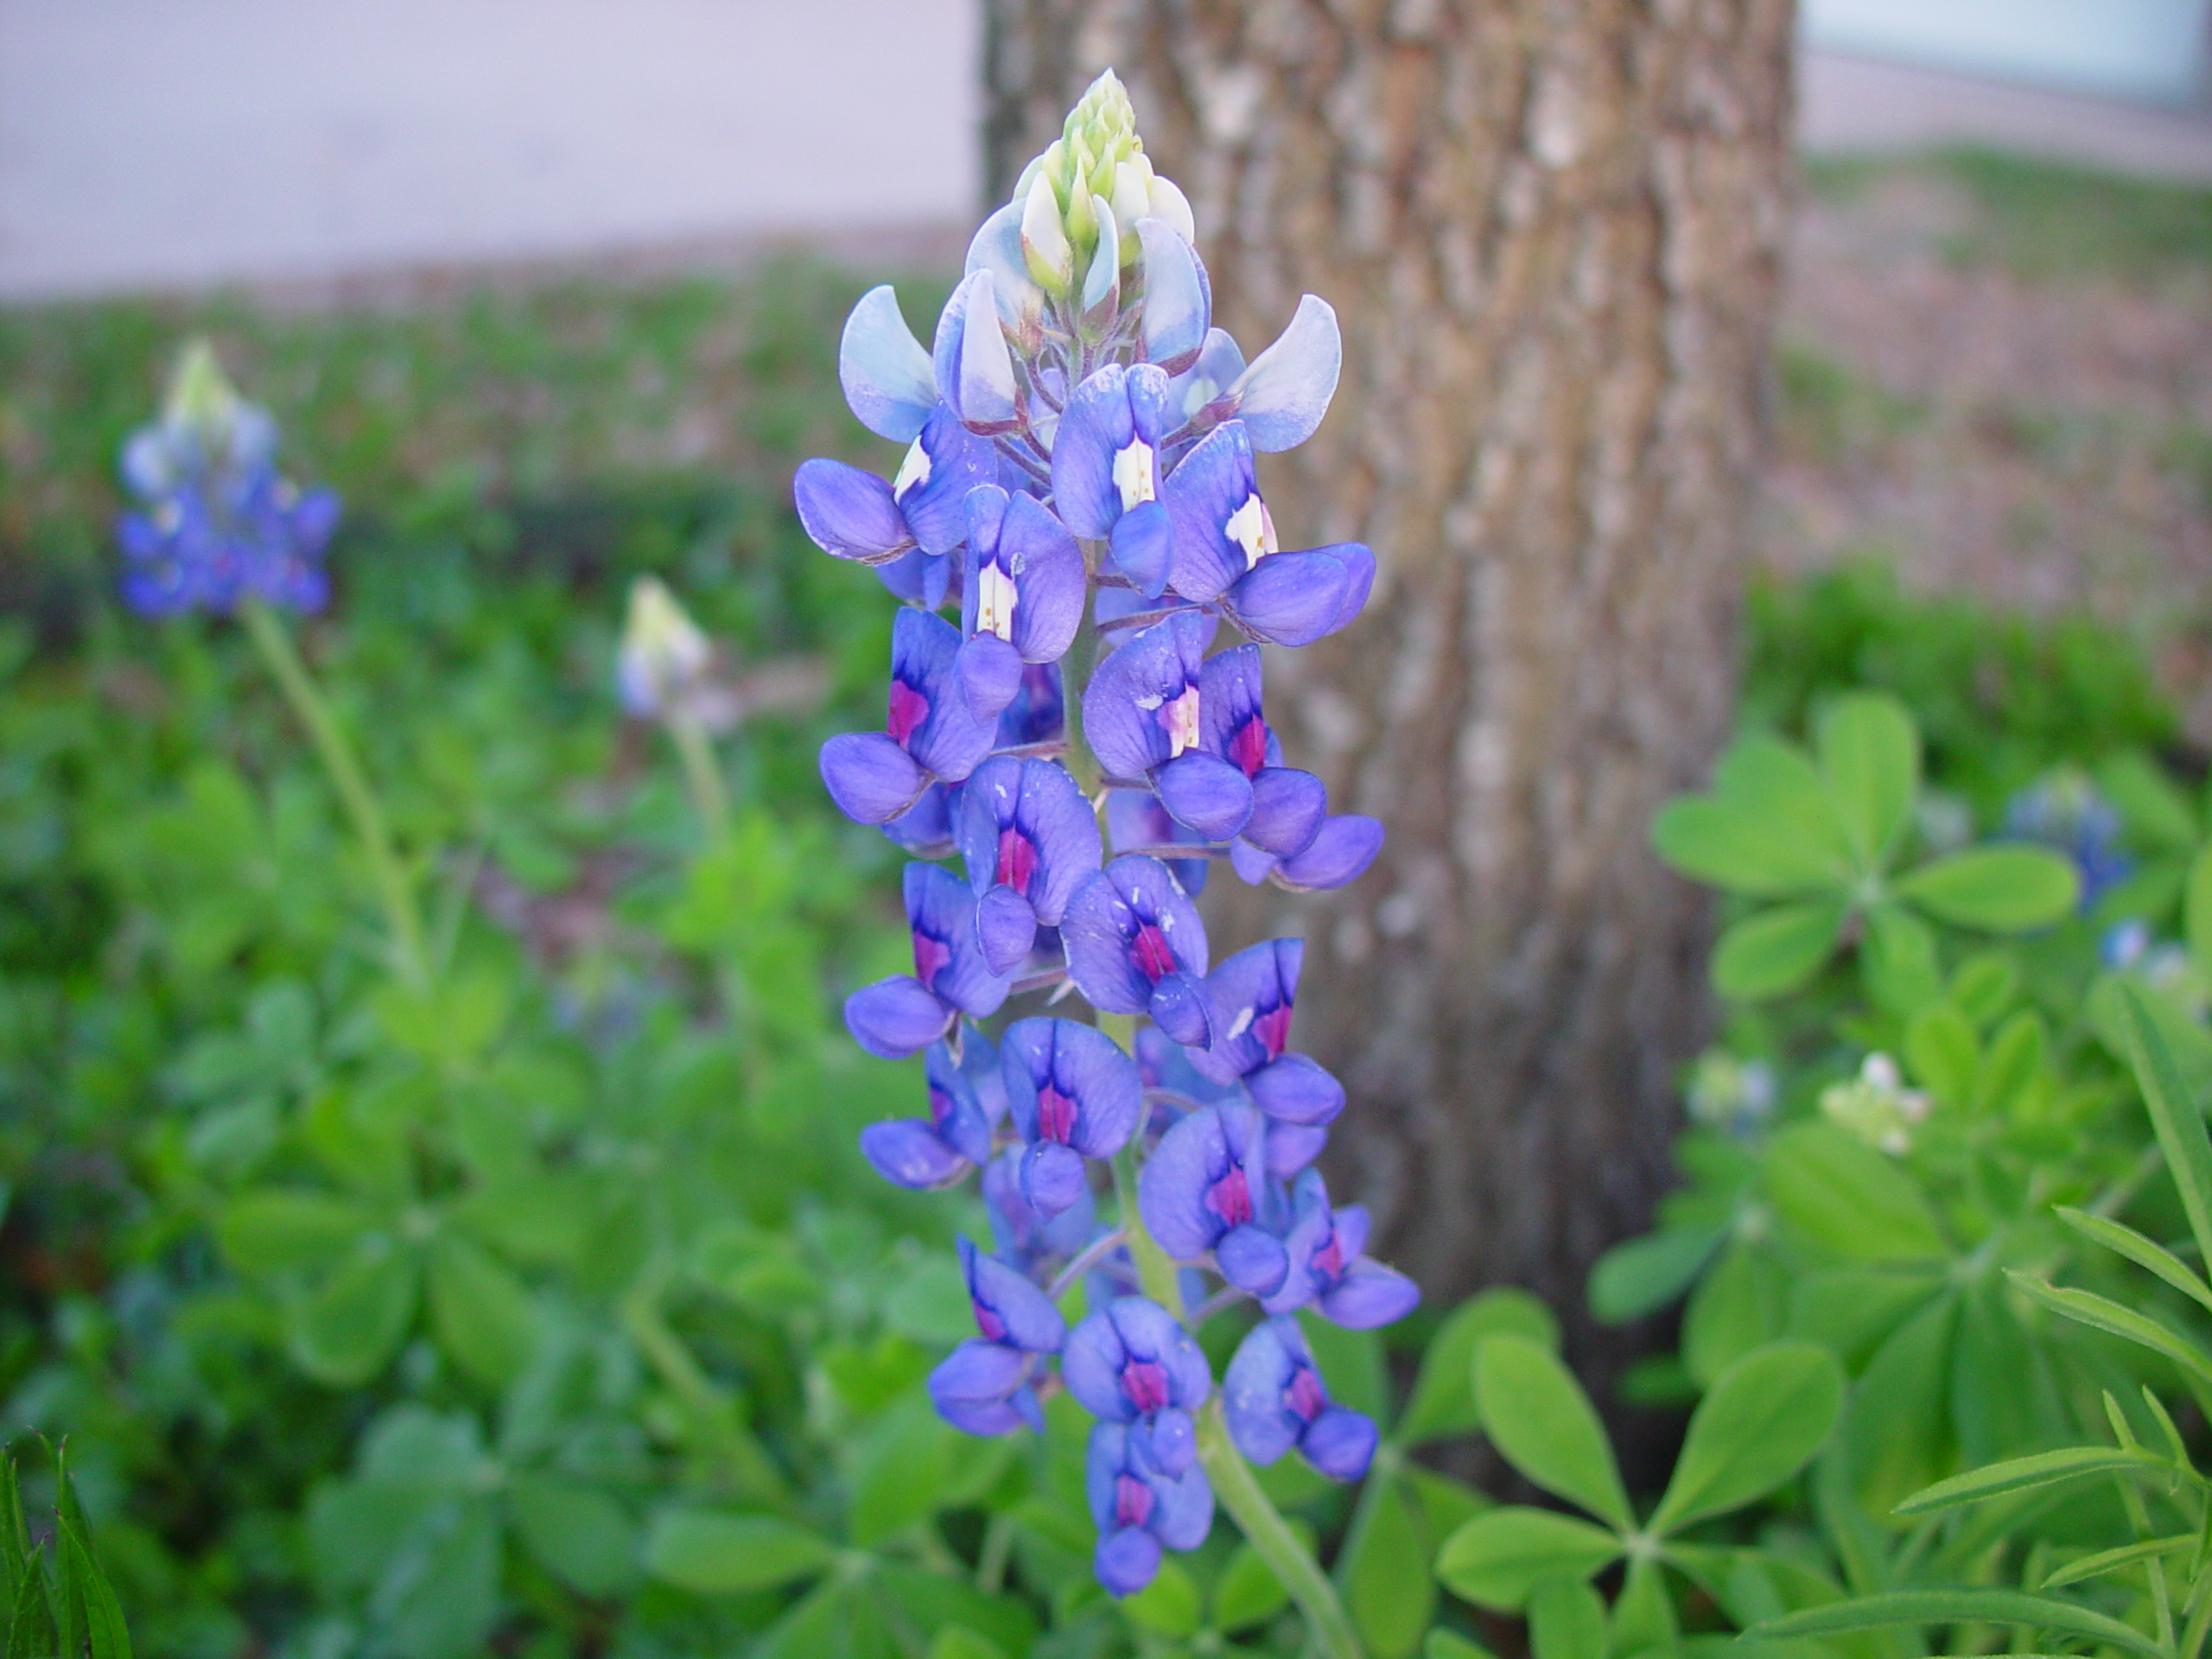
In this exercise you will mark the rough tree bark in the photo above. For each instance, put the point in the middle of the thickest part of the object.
(1551, 230)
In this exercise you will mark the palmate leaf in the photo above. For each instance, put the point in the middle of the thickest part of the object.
(1870, 756)
(2143, 1252)
(1541, 1422)
(2174, 1115)
(1955, 1608)
(1761, 1423)
(1768, 827)
(712, 1552)
(1776, 950)
(2023, 1474)
(2004, 889)
(2102, 1313)
(1497, 1559)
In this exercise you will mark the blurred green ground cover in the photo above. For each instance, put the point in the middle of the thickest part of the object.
(562, 1319)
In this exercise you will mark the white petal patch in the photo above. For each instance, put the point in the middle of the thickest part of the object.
(995, 597)
(1134, 466)
(913, 472)
(1251, 529)
(1180, 719)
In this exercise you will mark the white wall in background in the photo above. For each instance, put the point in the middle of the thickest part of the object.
(161, 142)
(2118, 49)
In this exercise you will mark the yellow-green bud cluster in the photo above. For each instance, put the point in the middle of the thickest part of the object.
(201, 400)
(1095, 171)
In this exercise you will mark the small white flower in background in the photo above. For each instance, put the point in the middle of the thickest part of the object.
(1729, 1093)
(661, 664)
(1876, 1106)
(1946, 821)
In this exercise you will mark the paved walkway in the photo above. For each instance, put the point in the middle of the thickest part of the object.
(168, 143)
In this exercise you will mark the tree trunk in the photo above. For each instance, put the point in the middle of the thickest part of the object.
(1551, 230)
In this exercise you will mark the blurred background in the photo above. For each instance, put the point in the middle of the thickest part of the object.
(383, 1328)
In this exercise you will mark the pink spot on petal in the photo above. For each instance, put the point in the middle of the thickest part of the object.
(1144, 1384)
(1056, 1115)
(1017, 860)
(988, 1322)
(1231, 1197)
(1132, 1501)
(1329, 1259)
(930, 953)
(909, 707)
(1305, 1394)
(1273, 1029)
(1155, 957)
(1248, 745)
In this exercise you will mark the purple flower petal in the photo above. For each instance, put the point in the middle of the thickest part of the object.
(948, 960)
(977, 1372)
(989, 673)
(1288, 599)
(972, 367)
(848, 513)
(1205, 495)
(1009, 1308)
(1252, 1259)
(1126, 1560)
(1181, 1006)
(895, 1017)
(1070, 1084)
(1053, 1177)
(1206, 1177)
(1340, 1443)
(1176, 304)
(1283, 395)
(884, 370)
(925, 828)
(1131, 1358)
(1005, 927)
(1253, 1389)
(1342, 849)
(907, 1152)
(1204, 792)
(1128, 928)
(942, 467)
(1369, 1294)
(1142, 706)
(1288, 807)
(870, 778)
(1143, 546)
(1095, 428)
(1296, 1089)
(1291, 1147)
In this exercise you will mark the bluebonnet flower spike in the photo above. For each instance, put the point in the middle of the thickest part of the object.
(1273, 1398)
(1028, 838)
(1136, 945)
(1073, 1095)
(905, 1013)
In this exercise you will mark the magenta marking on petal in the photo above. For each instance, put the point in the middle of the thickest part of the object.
(1330, 1258)
(1231, 1197)
(1273, 1029)
(930, 953)
(909, 707)
(941, 1106)
(1056, 1115)
(1017, 860)
(1155, 958)
(1145, 1384)
(1305, 1394)
(1248, 747)
(1132, 1501)
(988, 1321)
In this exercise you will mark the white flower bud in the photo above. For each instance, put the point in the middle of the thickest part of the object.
(1044, 246)
(663, 657)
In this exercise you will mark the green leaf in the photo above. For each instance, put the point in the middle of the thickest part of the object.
(1384, 1571)
(1956, 1607)
(2197, 912)
(1984, 985)
(1351, 1360)
(958, 1642)
(2143, 1252)
(1497, 1559)
(1760, 1424)
(2103, 1314)
(1450, 1645)
(1248, 1591)
(922, 1601)
(1443, 1402)
(1738, 1307)
(1896, 960)
(1537, 1416)
(1776, 950)
(1768, 827)
(96, 1616)
(2001, 889)
(905, 1464)
(483, 1314)
(1168, 1605)
(1643, 1274)
(1945, 1055)
(714, 1553)
(1838, 1192)
(1566, 1621)
(2156, 812)
(2014, 1064)
(2024, 1474)
(344, 1330)
(1644, 1613)
(579, 1534)
(287, 1230)
(2174, 1115)
(2111, 1561)
(1870, 755)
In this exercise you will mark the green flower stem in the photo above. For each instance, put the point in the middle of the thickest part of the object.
(703, 776)
(1234, 1484)
(353, 790)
